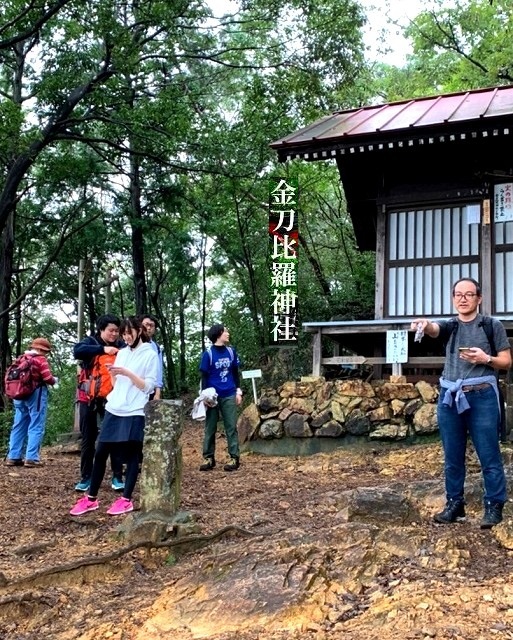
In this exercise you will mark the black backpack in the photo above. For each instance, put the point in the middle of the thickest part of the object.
(447, 334)
(450, 329)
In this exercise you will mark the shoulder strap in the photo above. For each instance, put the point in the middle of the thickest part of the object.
(451, 328)
(29, 357)
(230, 351)
(447, 332)
(487, 324)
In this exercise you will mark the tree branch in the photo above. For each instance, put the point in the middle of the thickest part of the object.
(34, 28)
(63, 238)
(185, 545)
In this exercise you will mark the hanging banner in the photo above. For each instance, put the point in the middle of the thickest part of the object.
(503, 202)
(283, 261)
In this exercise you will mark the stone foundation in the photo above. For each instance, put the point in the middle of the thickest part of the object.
(314, 408)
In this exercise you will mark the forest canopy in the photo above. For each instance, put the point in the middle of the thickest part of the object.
(134, 140)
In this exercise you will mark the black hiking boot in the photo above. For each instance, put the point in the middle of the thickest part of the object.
(232, 465)
(208, 464)
(454, 510)
(492, 515)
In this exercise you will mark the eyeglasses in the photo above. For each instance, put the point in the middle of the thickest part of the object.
(467, 294)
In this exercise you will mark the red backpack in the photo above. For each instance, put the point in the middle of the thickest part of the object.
(22, 378)
(96, 382)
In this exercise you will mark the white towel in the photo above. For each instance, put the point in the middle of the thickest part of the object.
(208, 396)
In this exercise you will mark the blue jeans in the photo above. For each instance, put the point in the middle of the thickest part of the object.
(227, 407)
(29, 425)
(481, 421)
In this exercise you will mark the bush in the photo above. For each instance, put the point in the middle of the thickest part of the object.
(6, 418)
(61, 404)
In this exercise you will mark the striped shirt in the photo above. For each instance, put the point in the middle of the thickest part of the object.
(43, 368)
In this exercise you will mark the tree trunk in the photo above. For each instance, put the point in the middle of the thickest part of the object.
(140, 288)
(6, 274)
(183, 359)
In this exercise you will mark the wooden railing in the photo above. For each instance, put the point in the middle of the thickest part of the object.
(364, 342)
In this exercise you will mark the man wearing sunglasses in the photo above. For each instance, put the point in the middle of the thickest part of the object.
(469, 402)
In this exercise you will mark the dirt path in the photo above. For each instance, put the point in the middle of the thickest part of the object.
(468, 581)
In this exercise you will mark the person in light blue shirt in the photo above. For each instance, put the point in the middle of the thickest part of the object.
(151, 324)
(220, 369)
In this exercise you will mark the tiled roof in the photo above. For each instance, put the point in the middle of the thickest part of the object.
(399, 120)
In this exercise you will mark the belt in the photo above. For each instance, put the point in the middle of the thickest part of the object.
(475, 387)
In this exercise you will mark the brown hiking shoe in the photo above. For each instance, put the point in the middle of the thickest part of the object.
(13, 463)
(33, 463)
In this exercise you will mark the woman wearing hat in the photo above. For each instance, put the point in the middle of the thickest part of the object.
(30, 413)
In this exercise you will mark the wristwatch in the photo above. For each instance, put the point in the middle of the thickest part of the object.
(489, 361)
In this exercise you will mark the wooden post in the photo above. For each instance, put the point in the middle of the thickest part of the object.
(486, 259)
(397, 369)
(317, 346)
(81, 299)
(509, 401)
(379, 294)
(80, 328)
(108, 291)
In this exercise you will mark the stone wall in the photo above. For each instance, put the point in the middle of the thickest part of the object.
(314, 408)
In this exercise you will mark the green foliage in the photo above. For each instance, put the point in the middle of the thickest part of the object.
(147, 133)
(61, 404)
(465, 45)
(6, 419)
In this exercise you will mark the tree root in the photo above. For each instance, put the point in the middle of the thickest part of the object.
(183, 545)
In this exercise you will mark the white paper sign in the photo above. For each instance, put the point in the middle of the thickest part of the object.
(503, 202)
(473, 213)
(253, 373)
(397, 346)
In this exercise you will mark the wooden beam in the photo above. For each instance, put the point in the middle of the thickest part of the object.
(418, 361)
(393, 326)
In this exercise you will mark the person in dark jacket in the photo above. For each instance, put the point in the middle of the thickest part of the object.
(91, 412)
